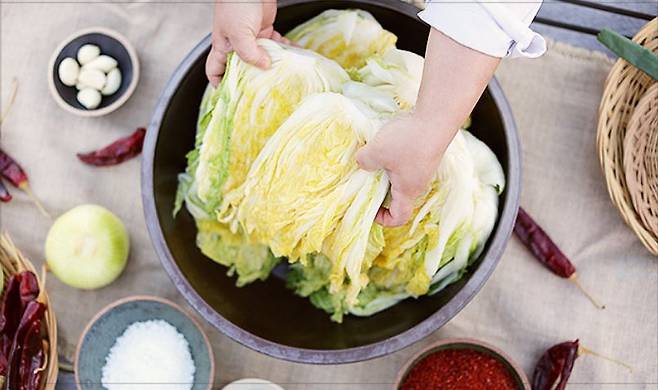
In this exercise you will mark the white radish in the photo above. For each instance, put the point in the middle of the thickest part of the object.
(94, 78)
(112, 83)
(68, 71)
(87, 53)
(90, 98)
(103, 62)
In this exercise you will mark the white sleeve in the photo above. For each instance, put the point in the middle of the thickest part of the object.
(497, 28)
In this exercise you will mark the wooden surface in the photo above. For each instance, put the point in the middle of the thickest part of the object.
(578, 21)
(575, 22)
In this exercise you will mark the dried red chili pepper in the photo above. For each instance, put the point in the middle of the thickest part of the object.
(11, 171)
(33, 313)
(10, 316)
(3, 370)
(546, 251)
(29, 287)
(554, 366)
(22, 288)
(5, 196)
(14, 173)
(31, 362)
(116, 152)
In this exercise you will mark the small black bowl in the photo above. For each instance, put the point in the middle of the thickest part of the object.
(112, 44)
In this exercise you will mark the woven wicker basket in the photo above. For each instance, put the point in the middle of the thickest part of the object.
(641, 159)
(12, 261)
(625, 86)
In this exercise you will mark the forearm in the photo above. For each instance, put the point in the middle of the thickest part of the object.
(454, 77)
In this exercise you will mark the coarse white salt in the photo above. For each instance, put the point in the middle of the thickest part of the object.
(149, 354)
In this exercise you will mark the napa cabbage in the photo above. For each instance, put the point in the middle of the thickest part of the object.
(235, 120)
(396, 72)
(448, 229)
(347, 36)
(305, 193)
(272, 177)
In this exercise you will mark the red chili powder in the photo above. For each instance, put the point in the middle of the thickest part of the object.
(457, 369)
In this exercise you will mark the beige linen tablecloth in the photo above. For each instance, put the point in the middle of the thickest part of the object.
(523, 308)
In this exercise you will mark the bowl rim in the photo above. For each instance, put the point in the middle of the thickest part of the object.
(497, 241)
(434, 347)
(134, 61)
(134, 298)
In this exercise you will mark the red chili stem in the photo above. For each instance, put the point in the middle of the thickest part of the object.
(547, 252)
(586, 351)
(12, 97)
(5, 196)
(28, 190)
(116, 152)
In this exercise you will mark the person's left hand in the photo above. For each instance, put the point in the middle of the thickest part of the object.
(410, 151)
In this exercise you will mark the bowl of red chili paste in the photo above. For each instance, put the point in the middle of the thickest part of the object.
(461, 364)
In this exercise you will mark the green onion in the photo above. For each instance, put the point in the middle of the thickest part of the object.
(635, 54)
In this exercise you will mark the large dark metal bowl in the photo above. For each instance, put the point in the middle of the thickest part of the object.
(266, 316)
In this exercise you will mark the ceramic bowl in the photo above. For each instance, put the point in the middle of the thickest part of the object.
(102, 331)
(517, 373)
(265, 315)
(111, 43)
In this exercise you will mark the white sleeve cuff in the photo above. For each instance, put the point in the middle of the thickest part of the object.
(493, 28)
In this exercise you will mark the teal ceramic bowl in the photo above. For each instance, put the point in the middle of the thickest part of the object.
(102, 331)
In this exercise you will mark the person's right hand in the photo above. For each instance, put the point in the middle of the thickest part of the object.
(236, 26)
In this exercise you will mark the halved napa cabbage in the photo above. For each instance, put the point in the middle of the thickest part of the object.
(347, 36)
(250, 261)
(397, 73)
(305, 193)
(251, 105)
(273, 174)
(234, 122)
(449, 227)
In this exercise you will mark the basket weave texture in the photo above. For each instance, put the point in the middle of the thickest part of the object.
(641, 159)
(12, 262)
(628, 107)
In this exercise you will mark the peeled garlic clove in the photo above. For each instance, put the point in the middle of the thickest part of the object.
(103, 63)
(68, 71)
(88, 52)
(80, 86)
(90, 98)
(92, 77)
(112, 82)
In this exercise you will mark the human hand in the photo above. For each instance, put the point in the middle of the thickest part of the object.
(409, 149)
(237, 25)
